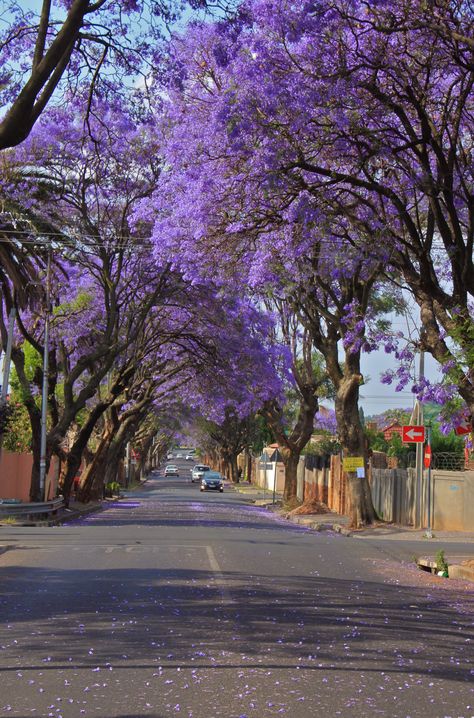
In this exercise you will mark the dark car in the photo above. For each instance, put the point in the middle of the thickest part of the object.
(212, 480)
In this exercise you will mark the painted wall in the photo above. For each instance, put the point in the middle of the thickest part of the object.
(453, 500)
(15, 476)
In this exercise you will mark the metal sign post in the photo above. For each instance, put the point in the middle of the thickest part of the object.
(417, 418)
(427, 461)
(415, 434)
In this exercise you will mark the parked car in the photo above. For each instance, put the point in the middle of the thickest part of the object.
(212, 480)
(170, 456)
(171, 470)
(198, 472)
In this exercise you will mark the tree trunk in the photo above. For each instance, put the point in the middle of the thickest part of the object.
(146, 457)
(91, 486)
(292, 445)
(352, 439)
(74, 457)
(224, 468)
(234, 469)
(114, 455)
(291, 459)
(36, 450)
(248, 471)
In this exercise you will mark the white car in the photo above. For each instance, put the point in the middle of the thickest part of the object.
(171, 470)
(190, 457)
(198, 472)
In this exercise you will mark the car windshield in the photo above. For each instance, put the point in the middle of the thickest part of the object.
(171, 466)
(202, 468)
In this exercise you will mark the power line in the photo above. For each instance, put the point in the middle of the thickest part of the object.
(146, 241)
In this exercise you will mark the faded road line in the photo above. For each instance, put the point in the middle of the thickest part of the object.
(219, 578)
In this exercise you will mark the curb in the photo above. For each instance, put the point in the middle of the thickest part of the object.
(321, 526)
(74, 514)
(461, 571)
(455, 570)
(340, 529)
(309, 523)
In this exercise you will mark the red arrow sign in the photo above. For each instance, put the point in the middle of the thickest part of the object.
(427, 457)
(413, 434)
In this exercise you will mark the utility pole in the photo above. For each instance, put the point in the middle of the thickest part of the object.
(7, 360)
(44, 394)
(128, 460)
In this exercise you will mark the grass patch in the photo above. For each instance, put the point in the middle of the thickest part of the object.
(10, 520)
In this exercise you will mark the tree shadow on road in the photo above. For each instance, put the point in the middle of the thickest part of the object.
(187, 617)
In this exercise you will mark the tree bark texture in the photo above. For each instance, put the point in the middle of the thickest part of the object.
(353, 442)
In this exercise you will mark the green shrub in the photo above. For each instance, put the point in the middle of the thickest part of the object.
(113, 487)
(441, 563)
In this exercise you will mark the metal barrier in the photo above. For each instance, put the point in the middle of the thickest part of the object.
(442, 460)
(448, 461)
(13, 508)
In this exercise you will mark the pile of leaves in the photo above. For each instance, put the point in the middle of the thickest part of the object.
(311, 506)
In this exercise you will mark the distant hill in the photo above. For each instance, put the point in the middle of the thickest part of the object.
(431, 413)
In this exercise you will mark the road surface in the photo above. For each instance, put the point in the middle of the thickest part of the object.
(178, 603)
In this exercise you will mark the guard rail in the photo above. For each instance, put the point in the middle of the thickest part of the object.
(10, 507)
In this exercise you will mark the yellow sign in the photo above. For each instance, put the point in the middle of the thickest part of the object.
(352, 463)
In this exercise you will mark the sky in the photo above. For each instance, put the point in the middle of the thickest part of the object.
(376, 397)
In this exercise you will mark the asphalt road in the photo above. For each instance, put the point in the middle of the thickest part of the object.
(178, 603)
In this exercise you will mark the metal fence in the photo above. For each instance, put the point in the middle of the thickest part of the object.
(441, 460)
(448, 461)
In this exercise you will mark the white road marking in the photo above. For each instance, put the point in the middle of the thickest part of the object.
(219, 579)
(106, 548)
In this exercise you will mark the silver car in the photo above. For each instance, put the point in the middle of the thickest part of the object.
(171, 470)
(198, 472)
